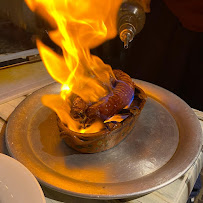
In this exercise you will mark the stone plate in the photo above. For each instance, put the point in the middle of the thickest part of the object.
(163, 145)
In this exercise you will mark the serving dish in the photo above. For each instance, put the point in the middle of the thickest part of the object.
(163, 145)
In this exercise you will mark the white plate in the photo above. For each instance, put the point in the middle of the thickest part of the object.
(17, 184)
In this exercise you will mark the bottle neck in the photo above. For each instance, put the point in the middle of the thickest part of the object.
(130, 20)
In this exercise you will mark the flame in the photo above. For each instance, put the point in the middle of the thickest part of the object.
(78, 26)
(117, 118)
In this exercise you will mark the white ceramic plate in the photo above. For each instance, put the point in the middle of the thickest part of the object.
(17, 184)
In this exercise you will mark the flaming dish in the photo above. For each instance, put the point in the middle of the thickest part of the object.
(97, 107)
(123, 105)
(92, 108)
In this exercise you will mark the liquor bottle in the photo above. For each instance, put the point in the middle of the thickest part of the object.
(130, 20)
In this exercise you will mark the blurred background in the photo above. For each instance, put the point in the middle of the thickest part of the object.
(166, 52)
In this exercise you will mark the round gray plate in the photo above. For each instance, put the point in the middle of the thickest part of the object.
(163, 145)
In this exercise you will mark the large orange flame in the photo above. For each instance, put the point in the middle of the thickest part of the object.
(79, 26)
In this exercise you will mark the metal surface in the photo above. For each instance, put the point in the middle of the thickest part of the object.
(163, 145)
(19, 58)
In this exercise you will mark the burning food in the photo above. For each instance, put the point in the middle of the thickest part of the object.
(106, 107)
(124, 94)
(97, 106)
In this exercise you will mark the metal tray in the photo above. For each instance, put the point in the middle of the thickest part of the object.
(163, 145)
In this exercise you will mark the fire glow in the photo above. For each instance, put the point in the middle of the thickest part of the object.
(79, 26)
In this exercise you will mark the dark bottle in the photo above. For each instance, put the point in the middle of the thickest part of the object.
(130, 20)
